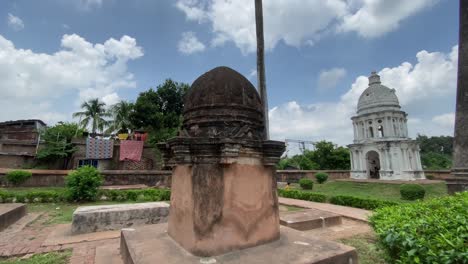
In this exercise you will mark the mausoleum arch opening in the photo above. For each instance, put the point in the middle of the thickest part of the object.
(373, 164)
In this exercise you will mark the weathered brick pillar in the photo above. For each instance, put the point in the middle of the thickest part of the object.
(224, 193)
(460, 143)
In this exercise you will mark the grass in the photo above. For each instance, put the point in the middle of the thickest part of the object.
(23, 190)
(46, 258)
(380, 191)
(61, 213)
(366, 247)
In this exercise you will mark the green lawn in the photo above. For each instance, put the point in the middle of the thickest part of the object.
(46, 258)
(365, 245)
(381, 191)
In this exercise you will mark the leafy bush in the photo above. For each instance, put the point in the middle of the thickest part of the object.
(18, 177)
(430, 177)
(300, 195)
(364, 203)
(83, 183)
(306, 183)
(47, 196)
(321, 177)
(435, 231)
(412, 192)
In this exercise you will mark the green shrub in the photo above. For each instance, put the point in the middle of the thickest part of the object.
(364, 203)
(430, 177)
(306, 183)
(321, 177)
(83, 183)
(300, 195)
(412, 192)
(17, 177)
(434, 231)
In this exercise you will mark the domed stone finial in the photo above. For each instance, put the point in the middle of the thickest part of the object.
(374, 79)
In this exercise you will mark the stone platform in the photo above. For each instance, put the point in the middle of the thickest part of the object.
(89, 219)
(152, 244)
(10, 213)
(310, 219)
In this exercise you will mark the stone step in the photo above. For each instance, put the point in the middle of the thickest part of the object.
(88, 219)
(151, 244)
(310, 219)
(10, 213)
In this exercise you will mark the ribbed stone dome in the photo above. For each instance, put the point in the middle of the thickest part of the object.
(223, 103)
(377, 97)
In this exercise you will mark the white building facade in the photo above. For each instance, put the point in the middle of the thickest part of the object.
(381, 148)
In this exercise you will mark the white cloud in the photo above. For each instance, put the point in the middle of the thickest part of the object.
(28, 79)
(15, 22)
(190, 44)
(66, 26)
(433, 77)
(90, 4)
(252, 74)
(375, 18)
(298, 22)
(330, 78)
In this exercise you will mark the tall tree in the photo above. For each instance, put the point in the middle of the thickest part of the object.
(160, 111)
(58, 142)
(93, 112)
(120, 113)
(261, 63)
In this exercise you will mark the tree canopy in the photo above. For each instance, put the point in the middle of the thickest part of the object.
(120, 114)
(94, 112)
(436, 152)
(160, 111)
(325, 156)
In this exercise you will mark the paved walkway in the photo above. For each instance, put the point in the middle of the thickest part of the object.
(350, 212)
(390, 182)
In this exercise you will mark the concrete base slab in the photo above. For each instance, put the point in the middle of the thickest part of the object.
(10, 213)
(107, 254)
(152, 244)
(62, 235)
(87, 219)
(310, 219)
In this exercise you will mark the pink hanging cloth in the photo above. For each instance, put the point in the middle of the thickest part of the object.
(131, 150)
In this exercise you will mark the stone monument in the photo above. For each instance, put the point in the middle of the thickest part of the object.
(224, 204)
(381, 147)
(460, 144)
(223, 184)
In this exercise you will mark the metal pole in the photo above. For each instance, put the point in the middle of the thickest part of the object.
(261, 63)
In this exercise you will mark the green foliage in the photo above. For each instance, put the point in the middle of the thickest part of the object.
(436, 152)
(301, 195)
(94, 112)
(321, 177)
(430, 177)
(83, 183)
(412, 192)
(120, 114)
(160, 111)
(54, 196)
(57, 142)
(62, 257)
(435, 231)
(17, 177)
(326, 156)
(306, 183)
(358, 202)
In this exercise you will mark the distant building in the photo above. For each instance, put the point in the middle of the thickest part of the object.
(18, 142)
(381, 147)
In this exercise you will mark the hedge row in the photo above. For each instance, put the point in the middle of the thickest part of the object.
(364, 203)
(103, 195)
(434, 231)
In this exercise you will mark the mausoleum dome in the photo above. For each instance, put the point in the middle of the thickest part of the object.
(377, 97)
(223, 103)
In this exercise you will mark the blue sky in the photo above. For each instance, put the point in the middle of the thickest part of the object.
(54, 54)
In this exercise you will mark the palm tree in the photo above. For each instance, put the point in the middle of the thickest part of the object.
(120, 117)
(94, 112)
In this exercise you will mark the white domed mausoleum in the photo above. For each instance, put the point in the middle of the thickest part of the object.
(381, 147)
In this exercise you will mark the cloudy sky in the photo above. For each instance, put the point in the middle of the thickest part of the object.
(56, 53)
